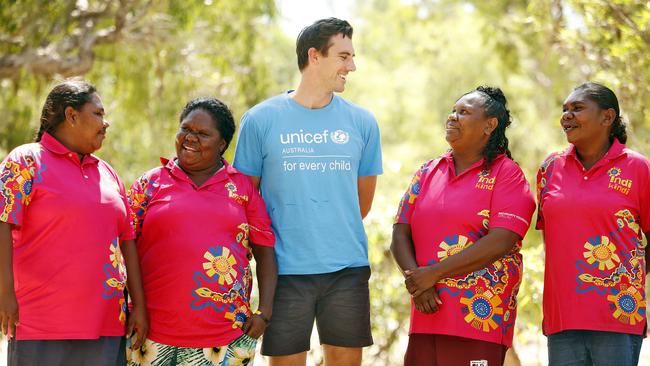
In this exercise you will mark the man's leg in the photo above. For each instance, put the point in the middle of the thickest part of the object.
(343, 316)
(342, 356)
(286, 339)
(297, 359)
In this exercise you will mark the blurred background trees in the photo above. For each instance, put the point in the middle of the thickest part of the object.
(414, 59)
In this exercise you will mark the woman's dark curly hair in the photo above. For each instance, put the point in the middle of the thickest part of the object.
(495, 106)
(219, 112)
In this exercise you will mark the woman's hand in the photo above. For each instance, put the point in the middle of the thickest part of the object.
(419, 280)
(254, 326)
(428, 301)
(138, 321)
(8, 302)
(8, 313)
(267, 278)
(137, 324)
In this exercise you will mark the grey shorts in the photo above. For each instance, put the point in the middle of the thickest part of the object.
(105, 351)
(339, 301)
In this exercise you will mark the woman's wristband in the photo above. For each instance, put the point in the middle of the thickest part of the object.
(261, 315)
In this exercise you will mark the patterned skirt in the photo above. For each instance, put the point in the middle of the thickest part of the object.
(239, 352)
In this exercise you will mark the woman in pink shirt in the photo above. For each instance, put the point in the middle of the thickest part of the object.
(594, 208)
(457, 237)
(66, 242)
(199, 222)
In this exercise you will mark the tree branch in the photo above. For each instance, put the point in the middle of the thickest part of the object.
(73, 55)
(623, 17)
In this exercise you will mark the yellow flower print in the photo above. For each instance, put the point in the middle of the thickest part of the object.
(122, 316)
(232, 193)
(625, 217)
(215, 354)
(628, 303)
(220, 265)
(600, 249)
(242, 235)
(238, 316)
(452, 245)
(144, 355)
(483, 310)
(116, 254)
(242, 356)
(614, 172)
(486, 220)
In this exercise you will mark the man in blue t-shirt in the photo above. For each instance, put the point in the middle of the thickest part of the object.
(316, 157)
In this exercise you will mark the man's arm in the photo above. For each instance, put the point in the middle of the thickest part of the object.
(366, 187)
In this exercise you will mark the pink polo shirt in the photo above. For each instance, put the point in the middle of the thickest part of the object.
(68, 218)
(448, 213)
(592, 221)
(194, 248)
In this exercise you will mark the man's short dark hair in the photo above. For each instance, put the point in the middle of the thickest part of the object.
(318, 36)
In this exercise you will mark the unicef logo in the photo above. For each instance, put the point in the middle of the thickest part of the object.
(340, 137)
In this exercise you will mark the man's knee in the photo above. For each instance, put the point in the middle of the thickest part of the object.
(342, 356)
(296, 359)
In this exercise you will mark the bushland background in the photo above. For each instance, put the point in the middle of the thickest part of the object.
(414, 59)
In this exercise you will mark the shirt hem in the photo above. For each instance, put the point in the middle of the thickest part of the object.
(176, 342)
(335, 269)
(605, 328)
(66, 336)
(503, 342)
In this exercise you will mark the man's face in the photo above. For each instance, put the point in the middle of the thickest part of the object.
(333, 69)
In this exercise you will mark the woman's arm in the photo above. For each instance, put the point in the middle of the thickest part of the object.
(138, 321)
(267, 278)
(8, 302)
(401, 247)
(497, 243)
(404, 253)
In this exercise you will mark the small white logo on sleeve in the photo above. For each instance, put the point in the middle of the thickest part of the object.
(340, 137)
(478, 363)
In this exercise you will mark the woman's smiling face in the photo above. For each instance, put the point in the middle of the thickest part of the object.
(199, 144)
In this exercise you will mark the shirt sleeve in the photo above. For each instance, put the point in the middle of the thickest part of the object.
(126, 229)
(644, 204)
(259, 222)
(248, 153)
(539, 225)
(370, 163)
(512, 204)
(139, 197)
(542, 181)
(407, 204)
(17, 172)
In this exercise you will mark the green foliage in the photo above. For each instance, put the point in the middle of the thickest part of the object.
(177, 51)
(414, 59)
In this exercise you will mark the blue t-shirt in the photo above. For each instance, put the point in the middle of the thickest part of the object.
(309, 161)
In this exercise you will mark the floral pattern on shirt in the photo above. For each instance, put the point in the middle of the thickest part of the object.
(17, 178)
